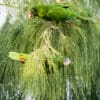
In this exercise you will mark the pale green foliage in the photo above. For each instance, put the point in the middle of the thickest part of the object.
(78, 41)
(44, 74)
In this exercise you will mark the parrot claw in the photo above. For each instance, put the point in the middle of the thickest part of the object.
(53, 27)
(69, 22)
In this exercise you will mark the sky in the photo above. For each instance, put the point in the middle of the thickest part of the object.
(3, 13)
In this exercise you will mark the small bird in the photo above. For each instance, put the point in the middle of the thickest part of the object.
(56, 12)
(24, 57)
(18, 56)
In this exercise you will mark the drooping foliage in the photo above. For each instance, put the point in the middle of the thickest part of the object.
(44, 75)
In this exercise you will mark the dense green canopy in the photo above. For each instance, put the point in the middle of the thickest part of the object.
(44, 74)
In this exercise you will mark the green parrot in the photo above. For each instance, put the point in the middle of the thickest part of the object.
(19, 56)
(56, 12)
(23, 58)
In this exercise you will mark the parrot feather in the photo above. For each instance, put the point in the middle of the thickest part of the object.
(18, 56)
(57, 12)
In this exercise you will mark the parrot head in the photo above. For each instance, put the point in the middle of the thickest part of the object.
(31, 13)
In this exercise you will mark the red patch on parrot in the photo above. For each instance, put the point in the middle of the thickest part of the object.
(21, 58)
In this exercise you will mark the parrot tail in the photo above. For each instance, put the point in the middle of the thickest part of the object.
(84, 18)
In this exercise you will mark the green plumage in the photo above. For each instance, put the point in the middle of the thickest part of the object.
(56, 12)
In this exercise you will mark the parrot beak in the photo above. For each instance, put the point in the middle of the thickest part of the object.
(30, 14)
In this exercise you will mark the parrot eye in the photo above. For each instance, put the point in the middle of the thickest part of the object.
(33, 11)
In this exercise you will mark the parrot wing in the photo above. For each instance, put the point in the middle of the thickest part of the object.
(61, 14)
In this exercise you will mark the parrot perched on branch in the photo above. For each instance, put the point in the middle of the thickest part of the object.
(18, 56)
(23, 58)
(55, 12)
